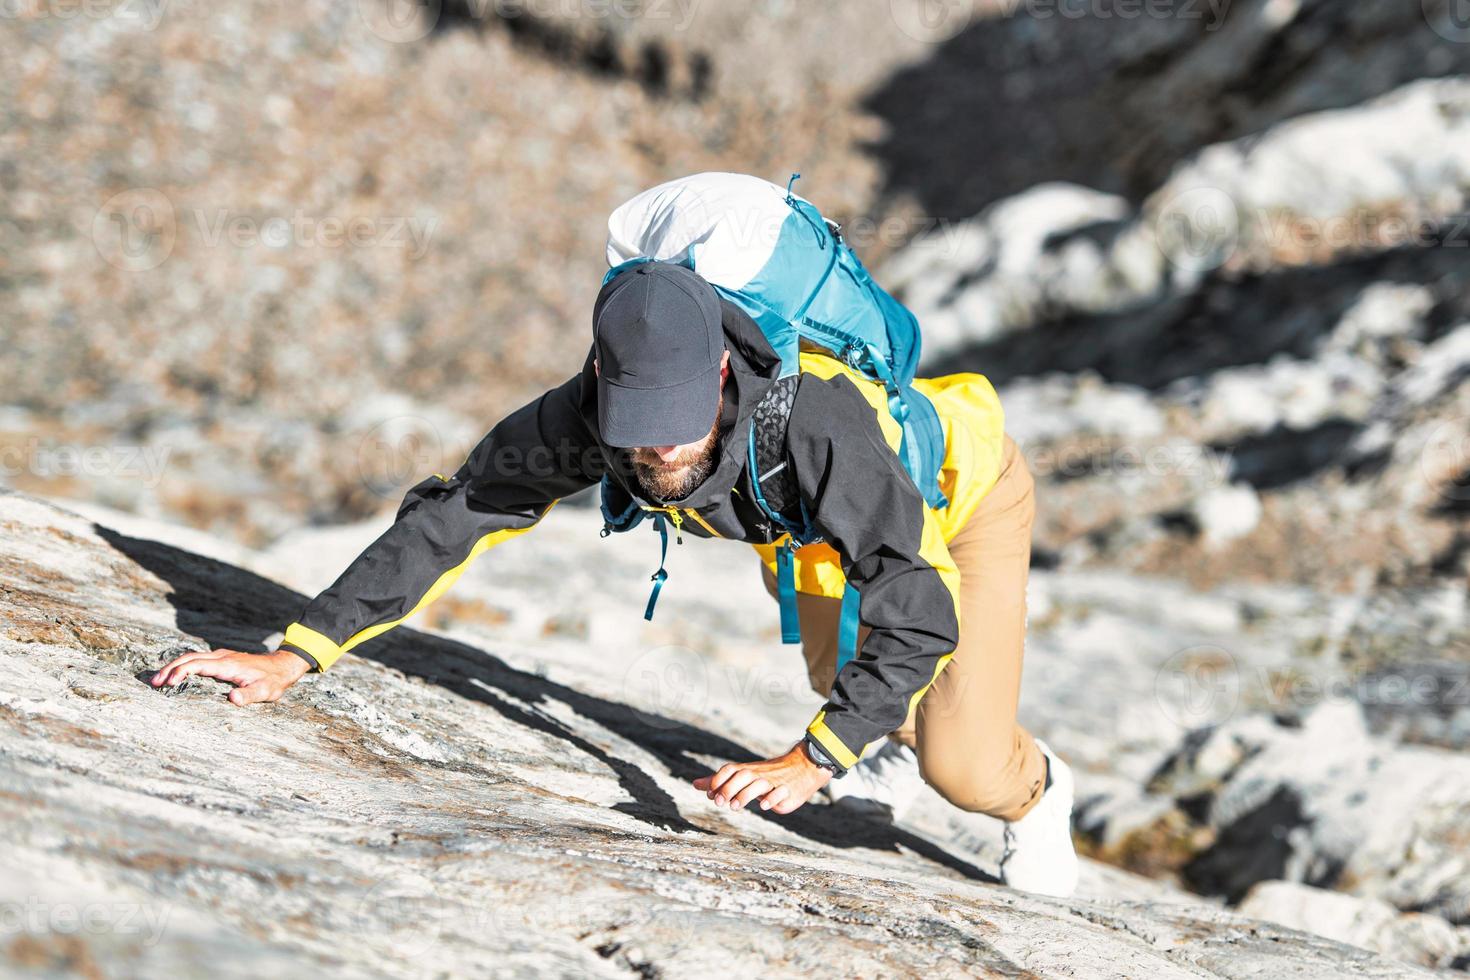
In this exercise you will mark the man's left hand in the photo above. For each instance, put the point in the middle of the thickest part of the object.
(781, 784)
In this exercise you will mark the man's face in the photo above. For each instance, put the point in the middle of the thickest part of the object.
(672, 472)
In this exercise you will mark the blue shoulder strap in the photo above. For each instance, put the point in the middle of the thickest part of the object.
(785, 554)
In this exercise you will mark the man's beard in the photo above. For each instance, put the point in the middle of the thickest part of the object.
(679, 478)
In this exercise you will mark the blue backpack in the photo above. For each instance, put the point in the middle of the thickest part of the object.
(773, 254)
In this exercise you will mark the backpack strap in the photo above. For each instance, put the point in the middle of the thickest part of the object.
(771, 476)
(777, 493)
(779, 496)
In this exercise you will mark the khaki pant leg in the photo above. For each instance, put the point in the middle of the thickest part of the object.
(970, 747)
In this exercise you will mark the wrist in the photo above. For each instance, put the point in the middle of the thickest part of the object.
(296, 653)
(817, 758)
(295, 665)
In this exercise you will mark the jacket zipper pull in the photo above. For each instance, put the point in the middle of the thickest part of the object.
(678, 520)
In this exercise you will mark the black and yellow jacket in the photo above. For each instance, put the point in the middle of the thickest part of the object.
(841, 440)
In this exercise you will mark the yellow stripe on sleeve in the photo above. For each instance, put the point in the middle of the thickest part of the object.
(327, 653)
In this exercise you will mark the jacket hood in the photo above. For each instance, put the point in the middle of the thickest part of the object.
(754, 366)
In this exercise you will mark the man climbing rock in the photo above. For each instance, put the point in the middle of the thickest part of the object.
(682, 412)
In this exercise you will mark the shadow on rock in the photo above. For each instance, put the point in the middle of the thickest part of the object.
(230, 607)
(1113, 101)
(1227, 323)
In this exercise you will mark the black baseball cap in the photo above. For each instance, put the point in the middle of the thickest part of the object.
(659, 342)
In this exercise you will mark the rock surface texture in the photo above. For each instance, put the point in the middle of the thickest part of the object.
(1214, 257)
(440, 806)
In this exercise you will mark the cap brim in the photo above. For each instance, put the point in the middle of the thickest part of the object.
(668, 416)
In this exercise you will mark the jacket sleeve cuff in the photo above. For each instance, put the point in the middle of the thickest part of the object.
(310, 660)
(313, 646)
(832, 746)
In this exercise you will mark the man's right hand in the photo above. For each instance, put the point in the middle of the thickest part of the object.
(257, 676)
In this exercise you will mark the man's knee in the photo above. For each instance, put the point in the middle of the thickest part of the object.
(972, 784)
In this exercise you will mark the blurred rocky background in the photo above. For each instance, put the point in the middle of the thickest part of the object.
(263, 266)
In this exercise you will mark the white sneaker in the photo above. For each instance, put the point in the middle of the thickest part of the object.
(1039, 856)
(883, 784)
